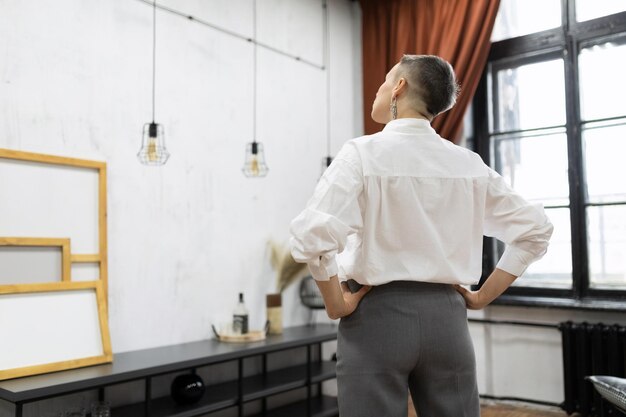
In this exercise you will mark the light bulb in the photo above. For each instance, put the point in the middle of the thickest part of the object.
(152, 149)
(254, 165)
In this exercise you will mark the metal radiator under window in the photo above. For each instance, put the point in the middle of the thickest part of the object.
(590, 349)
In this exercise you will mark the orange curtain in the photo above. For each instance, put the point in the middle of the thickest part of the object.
(456, 30)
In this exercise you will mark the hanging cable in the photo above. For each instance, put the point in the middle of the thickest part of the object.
(327, 68)
(254, 71)
(328, 158)
(153, 58)
(235, 35)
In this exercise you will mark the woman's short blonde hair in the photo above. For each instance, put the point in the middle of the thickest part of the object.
(431, 80)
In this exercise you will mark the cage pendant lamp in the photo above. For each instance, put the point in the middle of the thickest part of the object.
(153, 150)
(328, 159)
(254, 164)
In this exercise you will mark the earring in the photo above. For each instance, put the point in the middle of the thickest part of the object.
(394, 109)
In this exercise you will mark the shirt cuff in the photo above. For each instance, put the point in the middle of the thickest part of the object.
(323, 269)
(514, 261)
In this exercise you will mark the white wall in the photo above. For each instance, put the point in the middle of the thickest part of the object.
(184, 239)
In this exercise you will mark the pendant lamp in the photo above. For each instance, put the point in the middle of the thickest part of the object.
(254, 164)
(153, 150)
(326, 161)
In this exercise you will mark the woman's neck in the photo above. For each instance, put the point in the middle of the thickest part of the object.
(412, 114)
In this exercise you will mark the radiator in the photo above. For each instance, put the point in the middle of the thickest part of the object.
(590, 349)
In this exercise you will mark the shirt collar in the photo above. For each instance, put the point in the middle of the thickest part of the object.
(409, 125)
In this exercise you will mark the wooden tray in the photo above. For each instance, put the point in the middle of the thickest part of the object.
(251, 336)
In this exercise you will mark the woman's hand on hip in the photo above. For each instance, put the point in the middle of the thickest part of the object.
(338, 299)
(351, 299)
(473, 299)
(497, 282)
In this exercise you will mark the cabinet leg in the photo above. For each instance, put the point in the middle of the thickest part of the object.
(264, 400)
(101, 394)
(240, 387)
(18, 410)
(320, 359)
(147, 397)
(308, 380)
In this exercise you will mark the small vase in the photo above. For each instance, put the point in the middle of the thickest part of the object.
(187, 389)
(275, 313)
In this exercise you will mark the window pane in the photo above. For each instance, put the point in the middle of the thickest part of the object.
(607, 246)
(602, 90)
(531, 96)
(605, 148)
(554, 270)
(517, 18)
(536, 167)
(467, 140)
(591, 9)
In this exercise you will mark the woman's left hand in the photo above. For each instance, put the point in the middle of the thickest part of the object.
(338, 299)
(351, 299)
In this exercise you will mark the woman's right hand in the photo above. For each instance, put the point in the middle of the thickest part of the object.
(497, 282)
(473, 299)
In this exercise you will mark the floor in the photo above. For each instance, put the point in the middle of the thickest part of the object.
(506, 410)
(519, 411)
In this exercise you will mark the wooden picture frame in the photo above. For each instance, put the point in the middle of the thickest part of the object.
(63, 244)
(73, 331)
(101, 257)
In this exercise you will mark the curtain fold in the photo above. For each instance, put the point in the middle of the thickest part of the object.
(457, 30)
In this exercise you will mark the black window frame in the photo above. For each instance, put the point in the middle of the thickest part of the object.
(564, 42)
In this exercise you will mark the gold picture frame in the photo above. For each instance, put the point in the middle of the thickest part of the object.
(72, 333)
(101, 258)
(63, 244)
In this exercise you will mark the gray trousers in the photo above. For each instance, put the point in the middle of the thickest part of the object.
(407, 336)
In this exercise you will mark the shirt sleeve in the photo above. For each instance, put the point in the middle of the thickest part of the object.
(320, 232)
(523, 227)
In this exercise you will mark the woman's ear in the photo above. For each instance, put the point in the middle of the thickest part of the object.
(400, 87)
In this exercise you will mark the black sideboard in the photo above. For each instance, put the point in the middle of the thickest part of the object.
(149, 363)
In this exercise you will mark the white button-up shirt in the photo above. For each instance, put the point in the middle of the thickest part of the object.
(405, 204)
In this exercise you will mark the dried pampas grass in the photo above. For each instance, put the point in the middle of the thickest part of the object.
(286, 268)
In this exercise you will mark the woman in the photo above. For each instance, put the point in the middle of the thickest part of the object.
(407, 210)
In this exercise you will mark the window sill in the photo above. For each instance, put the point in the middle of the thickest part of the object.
(563, 303)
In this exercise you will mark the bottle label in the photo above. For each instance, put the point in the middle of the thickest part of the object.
(240, 324)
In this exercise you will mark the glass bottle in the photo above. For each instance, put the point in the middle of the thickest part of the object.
(240, 317)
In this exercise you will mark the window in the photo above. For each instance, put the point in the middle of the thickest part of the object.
(467, 140)
(550, 117)
(586, 10)
(520, 17)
